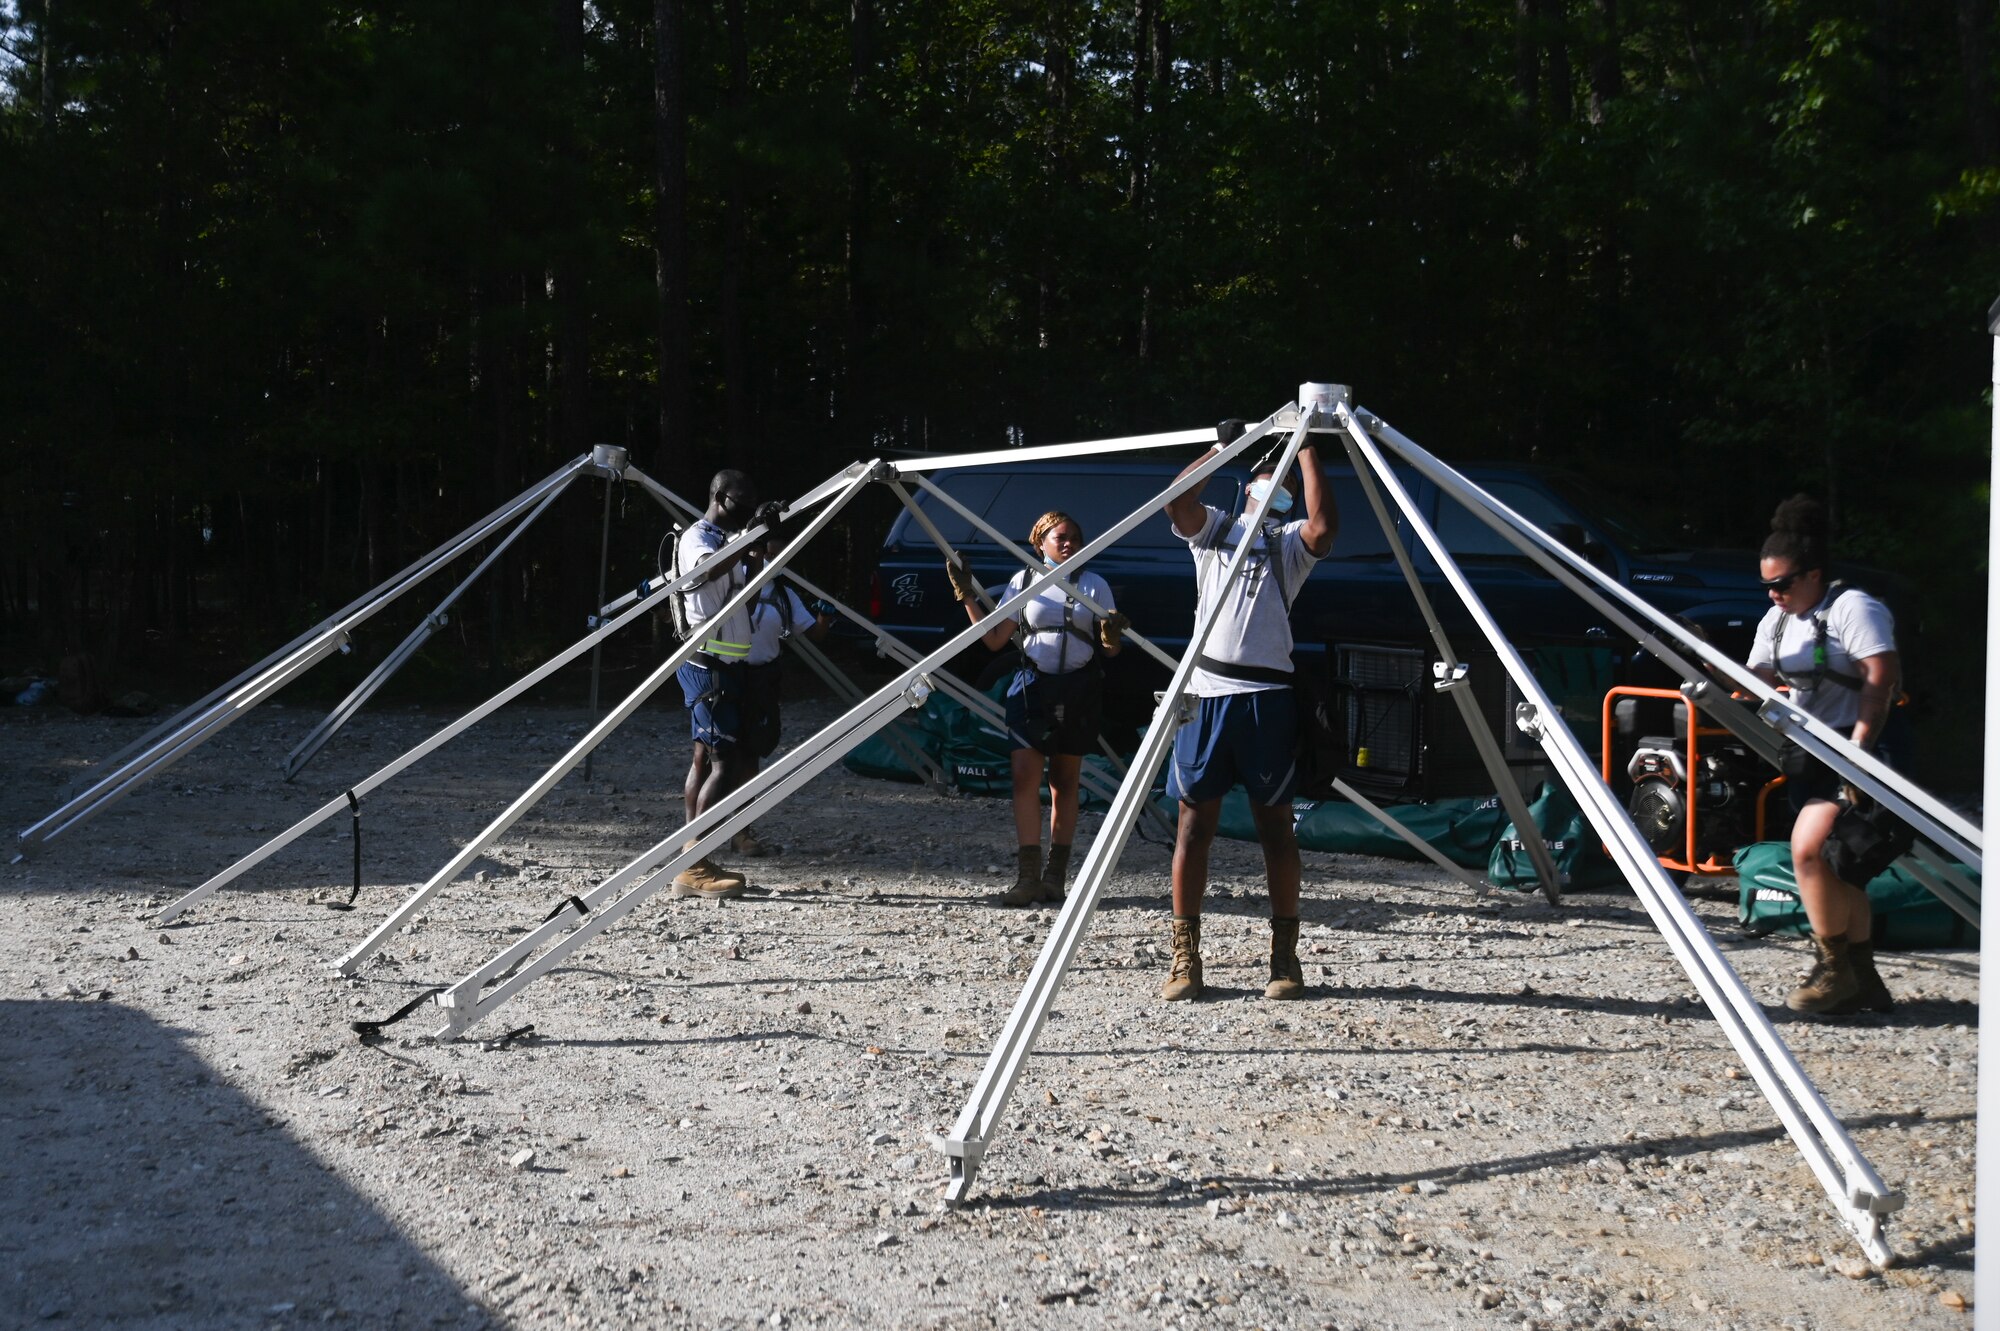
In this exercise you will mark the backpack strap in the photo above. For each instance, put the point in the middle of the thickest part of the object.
(1022, 633)
(1820, 673)
(1268, 536)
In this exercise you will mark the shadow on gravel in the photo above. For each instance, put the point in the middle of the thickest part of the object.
(1953, 1256)
(139, 1189)
(1198, 1192)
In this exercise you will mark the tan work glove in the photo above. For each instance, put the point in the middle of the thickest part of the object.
(1111, 629)
(962, 587)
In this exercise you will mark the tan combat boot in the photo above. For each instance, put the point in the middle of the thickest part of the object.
(706, 879)
(1831, 982)
(1027, 888)
(1055, 874)
(1288, 980)
(1184, 980)
(746, 844)
(1870, 995)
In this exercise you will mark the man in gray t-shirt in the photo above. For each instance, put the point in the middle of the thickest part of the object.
(1245, 728)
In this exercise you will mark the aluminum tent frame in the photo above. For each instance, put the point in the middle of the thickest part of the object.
(483, 990)
(1856, 1192)
(173, 739)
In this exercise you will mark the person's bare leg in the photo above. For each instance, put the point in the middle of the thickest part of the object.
(1281, 857)
(1833, 983)
(1825, 897)
(1027, 770)
(1064, 770)
(697, 777)
(1193, 838)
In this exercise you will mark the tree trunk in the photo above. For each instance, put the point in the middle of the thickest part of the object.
(1607, 81)
(736, 394)
(1143, 19)
(1528, 55)
(45, 68)
(670, 259)
(1561, 85)
(1975, 59)
(854, 410)
(569, 426)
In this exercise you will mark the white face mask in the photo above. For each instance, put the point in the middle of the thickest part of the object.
(1280, 503)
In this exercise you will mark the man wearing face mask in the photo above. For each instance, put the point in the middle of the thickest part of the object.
(1245, 729)
(712, 680)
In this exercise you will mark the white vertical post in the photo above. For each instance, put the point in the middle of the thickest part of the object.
(1985, 1268)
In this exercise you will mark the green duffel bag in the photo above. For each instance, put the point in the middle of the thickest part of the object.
(1906, 912)
(1572, 842)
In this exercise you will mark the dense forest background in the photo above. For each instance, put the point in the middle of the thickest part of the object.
(295, 289)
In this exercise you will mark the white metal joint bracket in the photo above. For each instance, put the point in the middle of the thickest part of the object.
(1528, 720)
(1449, 675)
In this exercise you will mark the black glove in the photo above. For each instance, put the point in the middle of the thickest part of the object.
(769, 514)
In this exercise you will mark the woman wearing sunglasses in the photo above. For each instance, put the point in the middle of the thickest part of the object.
(1053, 700)
(1835, 647)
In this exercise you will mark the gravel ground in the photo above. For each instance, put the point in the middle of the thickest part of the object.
(1488, 1113)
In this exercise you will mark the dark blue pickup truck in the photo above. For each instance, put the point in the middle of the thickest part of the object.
(1355, 618)
(1357, 593)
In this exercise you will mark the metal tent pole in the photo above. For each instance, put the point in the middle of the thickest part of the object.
(614, 460)
(483, 990)
(497, 516)
(341, 714)
(1985, 1265)
(1857, 1192)
(857, 476)
(409, 758)
(1068, 587)
(142, 761)
(965, 1146)
(848, 692)
(1453, 680)
(1658, 633)
(507, 973)
(943, 681)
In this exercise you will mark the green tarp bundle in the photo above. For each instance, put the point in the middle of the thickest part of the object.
(1906, 912)
(1573, 843)
(976, 756)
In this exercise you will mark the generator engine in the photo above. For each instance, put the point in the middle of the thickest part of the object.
(1723, 787)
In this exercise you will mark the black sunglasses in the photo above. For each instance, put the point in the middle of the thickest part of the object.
(1783, 584)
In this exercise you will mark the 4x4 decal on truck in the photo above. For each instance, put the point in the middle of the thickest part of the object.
(907, 591)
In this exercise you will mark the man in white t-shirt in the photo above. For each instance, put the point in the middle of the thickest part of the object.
(712, 679)
(1245, 728)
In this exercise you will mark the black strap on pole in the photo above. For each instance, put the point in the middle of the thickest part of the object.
(354, 812)
(567, 903)
(372, 1030)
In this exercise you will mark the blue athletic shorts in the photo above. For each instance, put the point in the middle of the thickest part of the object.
(1246, 739)
(714, 699)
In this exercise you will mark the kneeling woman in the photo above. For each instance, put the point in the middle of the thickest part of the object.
(1052, 702)
(1836, 648)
